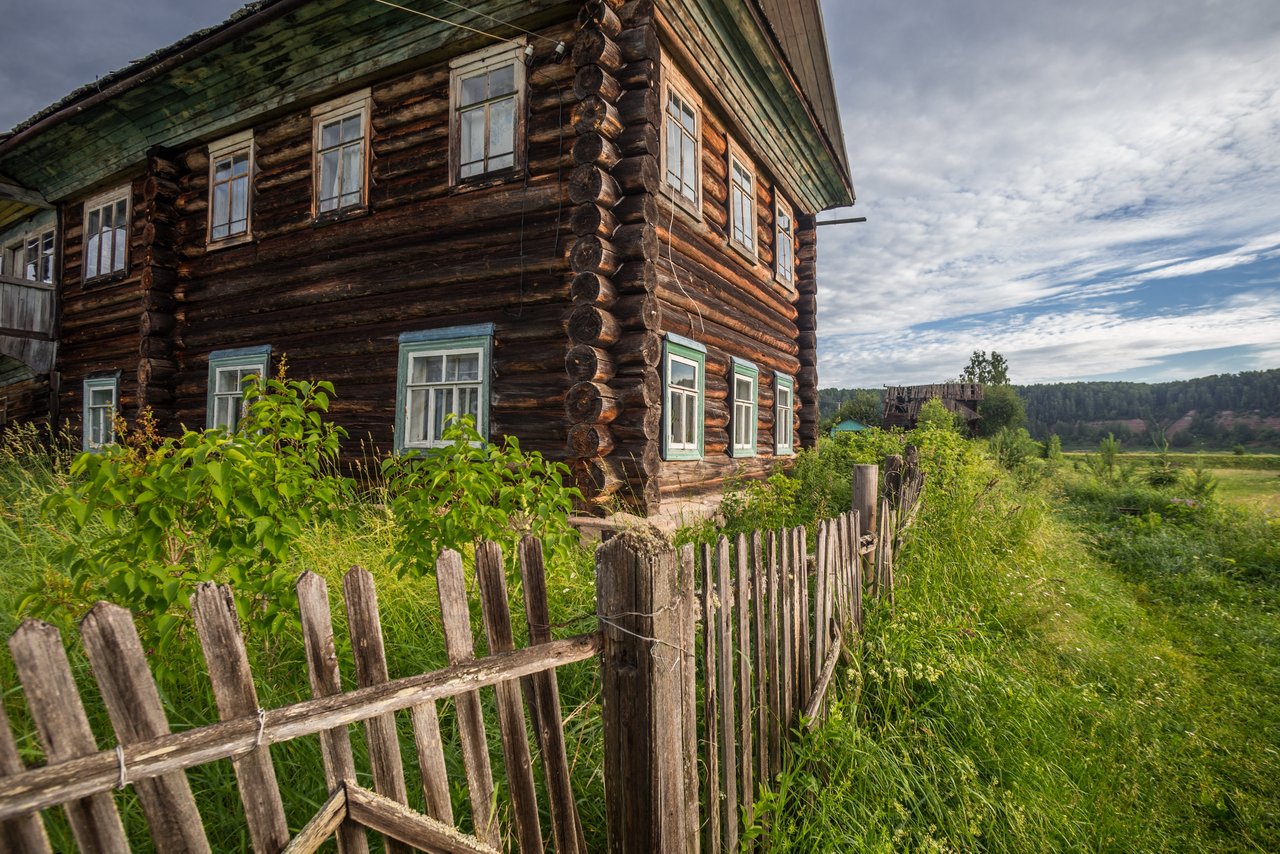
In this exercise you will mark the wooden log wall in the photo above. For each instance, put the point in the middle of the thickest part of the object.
(614, 350)
(157, 368)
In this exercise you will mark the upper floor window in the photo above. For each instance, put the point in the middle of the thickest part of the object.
(742, 203)
(230, 187)
(487, 112)
(228, 371)
(684, 384)
(746, 380)
(340, 140)
(101, 399)
(785, 243)
(681, 142)
(443, 374)
(31, 257)
(106, 233)
(784, 408)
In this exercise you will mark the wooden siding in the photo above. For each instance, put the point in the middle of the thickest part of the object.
(24, 394)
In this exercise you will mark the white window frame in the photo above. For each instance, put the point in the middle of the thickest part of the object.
(230, 147)
(92, 413)
(744, 412)
(679, 350)
(451, 341)
(249, 360)
(784, 262)
(749, 250)
(354, 104)
(674, 83)
(466, 66)
(784, 417)
(95, 205)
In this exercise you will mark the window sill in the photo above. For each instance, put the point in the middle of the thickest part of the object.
(682, 456)
(330, 217)
(488, 179)
(748, 255)
(228, 242)
(681, 203)
(102, 281)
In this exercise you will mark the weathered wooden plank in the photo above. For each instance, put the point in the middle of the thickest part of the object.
(45, 674)
(133, 704)
(638, 606)
(429, 746)
(233, 690)
(786, 583)
(491, 574)
(820, 596)
(775, 657)
(399, 822)
(544, 693)
(322, 825)
(760, 603)
(746, 754)
(725, 620)
(711, 700)
(802, 615)
(365, 627)
(39, 788)
(855, 526)
(813, 708)
(326, 681)
(686, 585)
(24, 833)
(455, 614)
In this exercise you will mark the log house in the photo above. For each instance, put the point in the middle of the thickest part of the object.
(590, 225)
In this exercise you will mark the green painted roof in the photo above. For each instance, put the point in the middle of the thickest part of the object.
(849, 426)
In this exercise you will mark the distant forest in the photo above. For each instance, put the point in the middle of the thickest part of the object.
(1217, 411)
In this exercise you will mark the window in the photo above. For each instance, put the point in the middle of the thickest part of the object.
(106, 234)
(681, 142)
(101, 400)
(684, 383)
(742, 204)
(340, 140)
(30, 257)
(230, 188)
(228, 370)
(746, 378)
(785, 244)
(784, 408)
(486, 119)
(442, 373)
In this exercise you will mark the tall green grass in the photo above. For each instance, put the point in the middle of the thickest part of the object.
(1054, 678)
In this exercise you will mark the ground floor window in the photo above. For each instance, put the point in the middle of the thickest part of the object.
(101, 400)
(784, 408)
(443, 373)
(746, 382)
(684, 383)
(228, 371)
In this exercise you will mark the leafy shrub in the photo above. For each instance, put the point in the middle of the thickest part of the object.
(1014, 449)
(470, 490)
(149, 518)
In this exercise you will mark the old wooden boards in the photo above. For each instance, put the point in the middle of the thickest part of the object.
(152, 760)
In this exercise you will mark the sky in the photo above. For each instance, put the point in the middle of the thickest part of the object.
(1090, 188)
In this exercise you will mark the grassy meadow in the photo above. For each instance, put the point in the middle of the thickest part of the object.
(1056, 675)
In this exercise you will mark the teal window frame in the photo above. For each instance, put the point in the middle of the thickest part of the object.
(98, 383)
(690, 352)
(780, 448)
(742, 369)
(431, 342)
(255, 359)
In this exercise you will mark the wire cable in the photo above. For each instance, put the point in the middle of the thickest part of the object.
(450, 23)
(504, 23)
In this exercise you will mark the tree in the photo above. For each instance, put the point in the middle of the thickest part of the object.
(1000, 408)
(934, 415)
(865, 406)
(988, 370)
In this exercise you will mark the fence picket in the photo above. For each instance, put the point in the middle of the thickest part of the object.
(710, 701)
(786, 578)
(455, 615)
(133, 704)
(759, 601)
(544, 707)
(802, 616)
(685, 584)
(25, 833)
(215, 616)
(775, 658)
(322, 670)
(365, 628)
(45, 674)
(742, 580)
(491, 574)
(728, 729)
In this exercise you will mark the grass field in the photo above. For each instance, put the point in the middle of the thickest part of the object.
(1256, 488)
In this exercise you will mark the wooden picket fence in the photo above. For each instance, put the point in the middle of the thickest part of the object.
(743, 636)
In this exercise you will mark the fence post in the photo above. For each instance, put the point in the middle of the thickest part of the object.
(644, 694)
(866, 503)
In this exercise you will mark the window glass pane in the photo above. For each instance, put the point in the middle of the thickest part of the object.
(674, 170)
(443, 405)
(691, 421)
(683, 375)
(222, 169)
(221, 206)
(239, 204)
(227, 380)
(742, 388)
(329, 180)
(471, 144)
(689, 119)
(470, 403)
(352, 127)
(122, 213)
(464, 367)
(101, 397)
(690, 160)
(425, 369)
(675, 405)
(502, 130)
(91, 256)
(118, 248)
(417, 421)
(352, 173)
(473, 88)
(240, 164)
(330, 134)
(502, 81)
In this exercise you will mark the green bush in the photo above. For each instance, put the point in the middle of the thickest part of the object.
(149, 518)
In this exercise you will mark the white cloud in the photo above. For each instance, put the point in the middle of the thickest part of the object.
(1014, 154)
